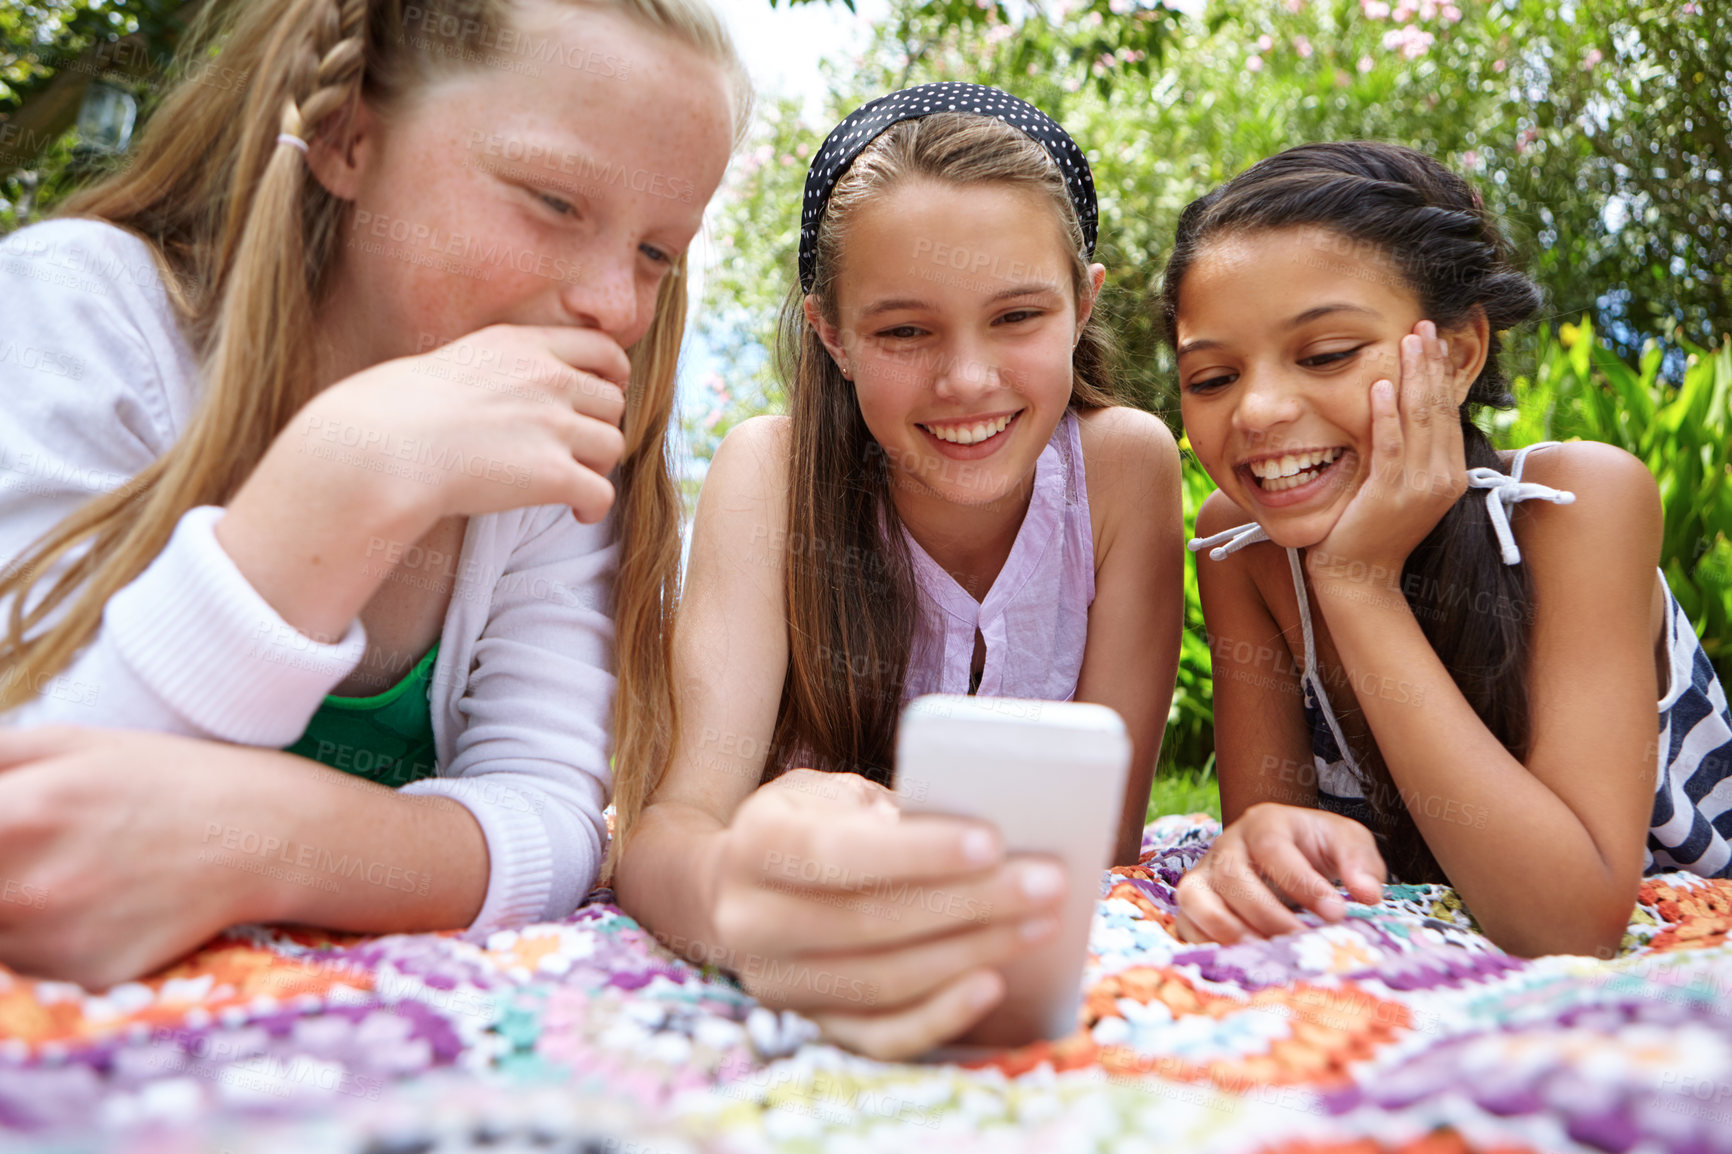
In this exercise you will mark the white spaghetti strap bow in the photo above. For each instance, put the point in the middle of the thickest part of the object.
(1502, 491)
(1236, 539)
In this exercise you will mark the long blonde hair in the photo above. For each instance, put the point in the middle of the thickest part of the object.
(245, 242)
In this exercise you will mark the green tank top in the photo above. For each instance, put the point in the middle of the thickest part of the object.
(387, 738)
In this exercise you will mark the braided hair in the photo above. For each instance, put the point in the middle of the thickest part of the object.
(1432, 227)
(246, 242)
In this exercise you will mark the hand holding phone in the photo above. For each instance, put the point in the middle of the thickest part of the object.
(888, 933)
(1050, 775)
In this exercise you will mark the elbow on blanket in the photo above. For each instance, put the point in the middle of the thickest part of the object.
(1587, 933)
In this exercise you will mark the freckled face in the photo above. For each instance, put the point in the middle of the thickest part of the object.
(1280, 337)
(957, 320)
(557, 192)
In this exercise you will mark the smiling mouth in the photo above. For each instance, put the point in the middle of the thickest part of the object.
(1278, 474)
(970, 433)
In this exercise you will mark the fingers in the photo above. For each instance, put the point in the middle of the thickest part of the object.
(907, 1033)
(1299, 880)
(1210, 918)
(1242, 884)
(1387, 443)
(590, 351)
(592, 396)
(1351, 854)
(589, 494)
(594, 444)
(1432, 413)
(1185, 928)
(856, 847)
(848, 788)
(888, 979)
(883, 912)
(23, 745)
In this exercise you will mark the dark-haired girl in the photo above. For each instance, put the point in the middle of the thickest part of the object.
(1429, 655)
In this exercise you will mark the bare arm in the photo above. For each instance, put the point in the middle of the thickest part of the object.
(234, 835)
(1132, 655)
(1262, 746)
(732, 622)
(1577, 807)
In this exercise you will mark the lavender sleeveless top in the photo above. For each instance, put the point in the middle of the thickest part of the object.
(1035, 617)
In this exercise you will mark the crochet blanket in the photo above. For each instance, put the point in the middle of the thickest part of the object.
(1401, 1028)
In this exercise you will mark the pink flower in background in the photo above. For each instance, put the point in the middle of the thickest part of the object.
(1254, 64)
(1302, 45)
(1497, 66)
(1428, 9)
(1450, 13)
(1593, 58)
(1470, 158)
(1265, 42)
(1366, 64)
(1121, 7)
(1412, 40)
(1690, 9)
(1404, 10)
(1295, 5)
(1374, 9)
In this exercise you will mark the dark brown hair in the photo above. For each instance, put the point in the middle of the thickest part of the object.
(851, 597)
(1431, 225)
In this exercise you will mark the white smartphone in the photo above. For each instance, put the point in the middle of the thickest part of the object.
(1051, 776)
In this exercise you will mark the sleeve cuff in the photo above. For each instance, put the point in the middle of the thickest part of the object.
(520, 856)
(199, 635)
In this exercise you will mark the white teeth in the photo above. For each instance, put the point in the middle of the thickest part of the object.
(1290, 471)
(1286, 466)
(969, 434)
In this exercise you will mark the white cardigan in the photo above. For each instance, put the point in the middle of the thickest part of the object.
(96, 382)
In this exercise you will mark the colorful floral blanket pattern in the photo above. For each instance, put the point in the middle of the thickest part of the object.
(1401, 1028)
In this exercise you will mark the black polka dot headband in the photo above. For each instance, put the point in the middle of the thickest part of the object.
(864, 124)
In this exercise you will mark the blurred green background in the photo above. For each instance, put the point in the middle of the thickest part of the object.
(1600, 131)
(1597, 130)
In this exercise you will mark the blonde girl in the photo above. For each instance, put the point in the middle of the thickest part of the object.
(364, 455)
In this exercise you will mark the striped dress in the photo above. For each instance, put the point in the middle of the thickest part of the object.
(1691, 824)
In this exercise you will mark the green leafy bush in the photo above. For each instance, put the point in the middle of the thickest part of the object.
(1682, 430)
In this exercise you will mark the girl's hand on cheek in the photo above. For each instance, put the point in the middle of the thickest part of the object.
(882, 930)
(1272, 856)
(1417, 467)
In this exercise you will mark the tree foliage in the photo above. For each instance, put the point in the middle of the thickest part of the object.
(1595, 129)
(50, 52)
